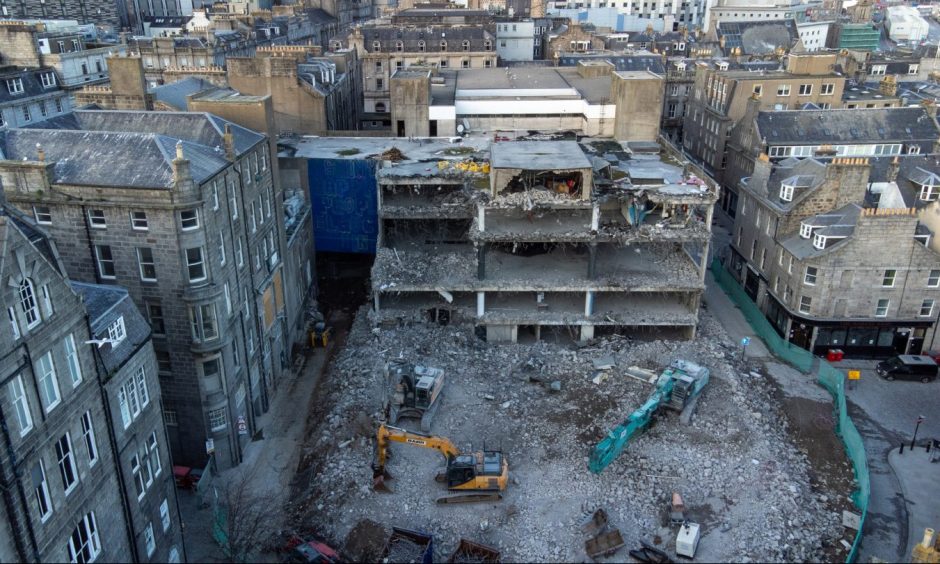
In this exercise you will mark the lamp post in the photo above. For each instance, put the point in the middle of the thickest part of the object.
(920, 419)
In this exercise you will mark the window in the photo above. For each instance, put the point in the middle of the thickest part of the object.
(465, 45)
(157, 323)
(28, 303)
(783, 90)
(48, 79)
(164, 364)
(239, 255)
(887, 281)
(763, 258)
(825, 105)
(105, 261)
(42, 108)
(123, 403)
(233, 199)
(84, 545)
(378, 66)
(809, 278)
(221, 249)
(215, 195)
(195, 265)
(790, 266)
(806, 304)
(399, 46)
(247, 301)
(758, 89)
(148, 540)
(27, 116)
(165, 515)
(267, 203)
(464, 64)
(786, 192)
(421, 46)
(71, 357)
(48, 385)
(169, 417)
(827, 89)
(926, 308)
(261, 210)
(806, 89)
(189, 220)
(203, 323)
(41, 491)
(878, 70)
(116, 331)
(252, 218)
(138, 477)
(15, 85)
(933, 279)
(912, 69)
(66, 460)
(228, 299)
(141, 378)
(154, 447)
(46, 301)
(58, 105)
(88, 433)
(97, 220)
(20, 405)
(43, 215)
(443, 46)
(929, 192)
(913, 149)
(376, 46)
(881, 308)
(217, 419)
(380, 84)
(148, 270)
(399, 65)
(139, 221)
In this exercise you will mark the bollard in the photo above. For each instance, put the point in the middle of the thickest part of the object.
(902, 449)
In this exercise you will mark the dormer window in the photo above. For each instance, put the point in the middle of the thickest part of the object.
(48, 79)
(421, 46)
(786, 192)
(806, 230)
(722, 66)
(443, 46)
(929, 192)
(819, 242)
(465, 45)
(913, 150)
(15, 86)
(376, 46)
(487, 45)
(116, 331)
(399, 46)
(680, 66)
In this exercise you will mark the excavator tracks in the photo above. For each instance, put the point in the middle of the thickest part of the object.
(470, 498)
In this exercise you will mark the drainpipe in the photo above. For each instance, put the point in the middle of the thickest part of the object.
(91, 246)
(30, 552)
(129, 519)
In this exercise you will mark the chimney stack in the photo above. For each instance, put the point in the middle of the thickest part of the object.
(893, 169)
(228, 140)
(40, 153)
(182, 174)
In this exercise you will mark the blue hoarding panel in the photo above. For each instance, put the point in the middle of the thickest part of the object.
(345, 212)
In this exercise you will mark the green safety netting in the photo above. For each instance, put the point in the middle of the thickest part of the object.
(827, 376)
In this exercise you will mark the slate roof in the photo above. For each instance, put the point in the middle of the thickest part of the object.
(847, 126)
(804, 175)
(759, 38)
(839, 223)
(105, 304)
(196, 127)
(319, 16)
(174, 94)
(638, 62)
(114, 159)
(39, 238)
(32, 84)
(388, 36)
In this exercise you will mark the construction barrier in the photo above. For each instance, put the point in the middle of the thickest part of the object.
(832, 379)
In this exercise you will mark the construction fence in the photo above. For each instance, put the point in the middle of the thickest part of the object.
(832, 379)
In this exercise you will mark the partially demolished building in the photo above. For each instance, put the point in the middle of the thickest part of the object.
(545, 239)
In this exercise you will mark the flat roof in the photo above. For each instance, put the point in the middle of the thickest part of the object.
(356, 148)
(411, 73)
(538, 155)
(529, 78)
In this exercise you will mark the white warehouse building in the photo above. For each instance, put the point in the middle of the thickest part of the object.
(905, 23)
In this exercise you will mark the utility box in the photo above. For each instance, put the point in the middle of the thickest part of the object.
(687, 540)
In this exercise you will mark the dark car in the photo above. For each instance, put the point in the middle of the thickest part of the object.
(908, 367)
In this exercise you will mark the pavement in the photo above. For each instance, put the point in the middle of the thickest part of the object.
(268, 464)
(731, 318)
(918, 476)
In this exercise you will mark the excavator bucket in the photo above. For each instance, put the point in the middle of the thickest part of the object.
(378, 480)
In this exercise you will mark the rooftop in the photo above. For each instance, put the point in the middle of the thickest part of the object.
(105, 305)
(539, 155)
(847, 126)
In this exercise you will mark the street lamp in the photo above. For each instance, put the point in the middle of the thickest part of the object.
(920, 419)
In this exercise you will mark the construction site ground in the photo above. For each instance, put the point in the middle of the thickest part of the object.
(748, 483)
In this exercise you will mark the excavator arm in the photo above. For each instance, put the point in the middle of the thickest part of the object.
(386, 433)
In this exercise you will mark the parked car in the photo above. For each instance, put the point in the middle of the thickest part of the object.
(908, 367)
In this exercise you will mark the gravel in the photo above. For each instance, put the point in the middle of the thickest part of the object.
(740, 475)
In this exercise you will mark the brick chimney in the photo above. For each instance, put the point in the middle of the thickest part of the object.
(931, 108)
(182, 175)
(761, 174)
(228, 140)
(888, 86)
(893, 169)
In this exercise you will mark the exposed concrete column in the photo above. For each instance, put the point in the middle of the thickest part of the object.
(589, 304)
(481, 262)
(595, 217)
(481, 303)
(587, 333)
(592, 261)
(481, 218)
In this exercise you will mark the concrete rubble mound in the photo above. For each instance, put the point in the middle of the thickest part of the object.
(740, 475)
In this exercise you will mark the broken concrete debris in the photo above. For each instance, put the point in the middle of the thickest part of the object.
(747, 511)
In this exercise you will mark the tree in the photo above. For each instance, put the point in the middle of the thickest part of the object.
(244, 516)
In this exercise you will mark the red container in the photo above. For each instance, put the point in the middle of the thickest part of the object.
(834, 355)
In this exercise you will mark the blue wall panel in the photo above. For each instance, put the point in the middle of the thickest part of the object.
(345, 212)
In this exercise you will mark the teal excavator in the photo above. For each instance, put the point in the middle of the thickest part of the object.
(677, 388)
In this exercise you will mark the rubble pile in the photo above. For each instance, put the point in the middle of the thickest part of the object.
(738, 472)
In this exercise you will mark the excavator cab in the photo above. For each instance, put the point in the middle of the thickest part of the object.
(486, 470)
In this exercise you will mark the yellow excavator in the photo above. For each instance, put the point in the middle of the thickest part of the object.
(485, 471)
